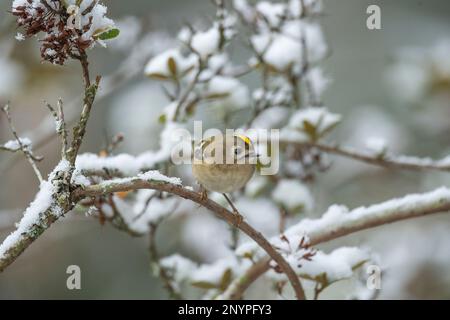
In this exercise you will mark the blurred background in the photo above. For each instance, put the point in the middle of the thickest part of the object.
(378, 85)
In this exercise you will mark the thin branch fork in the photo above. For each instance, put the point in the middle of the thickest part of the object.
(25, 150)
(137, 183)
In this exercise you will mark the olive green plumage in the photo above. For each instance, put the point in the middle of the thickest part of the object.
(229, 172)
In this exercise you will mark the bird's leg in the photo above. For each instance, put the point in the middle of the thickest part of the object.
(238, 216)
(203, 193)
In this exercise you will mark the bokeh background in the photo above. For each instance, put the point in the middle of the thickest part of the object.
(370, 76)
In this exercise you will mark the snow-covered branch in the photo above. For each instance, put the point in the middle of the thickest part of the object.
(50, 203)
(339, 221)
(156, 181)
(386, 160)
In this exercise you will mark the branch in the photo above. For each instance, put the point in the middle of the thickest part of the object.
(338, 222)
(155, 261)
(383, 160)
(61, 130)
(141, 183)
(89, 96)
(50, 203)
(21, 146)
(126, 71)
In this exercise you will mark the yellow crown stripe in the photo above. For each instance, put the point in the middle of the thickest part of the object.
(245, 139)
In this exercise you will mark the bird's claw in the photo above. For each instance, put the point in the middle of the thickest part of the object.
(203, 195)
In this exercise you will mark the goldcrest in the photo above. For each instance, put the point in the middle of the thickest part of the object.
(224, 163)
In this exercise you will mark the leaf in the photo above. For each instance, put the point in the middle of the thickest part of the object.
(108, 35)
(226, 279)
(310, 129)
(158, 76)
(217, 95)
(204, 285)
(172, 64)
(162, 118)
(248, 255)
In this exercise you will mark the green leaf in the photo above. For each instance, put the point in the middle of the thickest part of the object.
(109, 34)
(226, 279)
(217, 95)
(162, 119)
(172, 64)
(310, 129)
(204, 285)
(158, 76)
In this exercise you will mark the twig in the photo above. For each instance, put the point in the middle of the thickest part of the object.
(89, 96)
(188, 91)
(22, 147)
(137, 183)
(60, 125)
(383, 160)
(154, 257)
(129, 69)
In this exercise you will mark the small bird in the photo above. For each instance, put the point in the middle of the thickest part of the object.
(224, 164)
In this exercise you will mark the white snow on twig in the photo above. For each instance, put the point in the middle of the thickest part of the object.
(13, 145)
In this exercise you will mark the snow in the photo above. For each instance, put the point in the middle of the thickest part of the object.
(293, 195)
(272, 117)
(284, 50)
(319, 118)
(244, 9)
(155, 175)
(19, 36)
(256, 185)
(273, 12)
(337, 265)
(206, 43)
(311, 6)
(214, 272)
(130, 165)
(158, 66)
(376, 144)
(100, 23)
(42, 202)
(318, 82)
(180, 267)
(260, 213)
(185, 35)
(416, 70)
(14, 145)
(125, 163)
(235, 93)
(339, 215)
(96, 18)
